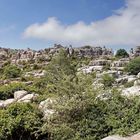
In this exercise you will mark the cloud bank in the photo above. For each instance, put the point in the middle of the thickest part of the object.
(121, 28)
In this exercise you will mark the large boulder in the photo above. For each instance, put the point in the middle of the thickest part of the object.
(1, 104)
(28, 98)
(8, 102)
(19, 94)
(131, 91)
(138, 75)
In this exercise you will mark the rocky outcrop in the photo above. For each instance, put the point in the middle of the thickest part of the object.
(100, 62)
(135, 52)
(89, 69)
(120, 63)
(93, 52)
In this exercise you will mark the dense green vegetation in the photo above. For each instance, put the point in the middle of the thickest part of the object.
(82, 114)
(11, 71)
(134, 66)
(107, 80)
(20, 122)
(121, 53)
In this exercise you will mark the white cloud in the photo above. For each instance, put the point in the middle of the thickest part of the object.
(122, 28)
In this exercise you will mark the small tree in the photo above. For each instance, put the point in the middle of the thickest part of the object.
(122, 53)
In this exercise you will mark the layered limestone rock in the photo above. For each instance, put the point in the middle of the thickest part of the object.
(120, 63)
(89, 51)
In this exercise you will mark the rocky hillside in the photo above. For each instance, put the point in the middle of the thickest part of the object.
(66, 93)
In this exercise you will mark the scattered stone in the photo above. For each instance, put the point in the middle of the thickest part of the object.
(19, 94)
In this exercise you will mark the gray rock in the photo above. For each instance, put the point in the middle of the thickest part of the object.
(8, 102)
(138, 75)
(28, 98)
(1, 104)
(19, 94)
(131, 91)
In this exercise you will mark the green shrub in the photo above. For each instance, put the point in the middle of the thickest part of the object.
(11, 71)
(133, 66)
(20, 121)
(107, 80)
(122, 53)
(129, 84)
(7, 91)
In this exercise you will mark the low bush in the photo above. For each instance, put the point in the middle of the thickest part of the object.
(133, 66)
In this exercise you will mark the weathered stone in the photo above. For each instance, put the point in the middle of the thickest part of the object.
(19, 94)
(137, 83)
(138, 75)
(131, 91)
(89, 69)
(1, 104)
(8, 102)
(28, 97)
(100, 62)
(125, 78)
(120, 63)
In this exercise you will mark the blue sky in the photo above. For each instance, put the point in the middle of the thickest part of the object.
(17, 18)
